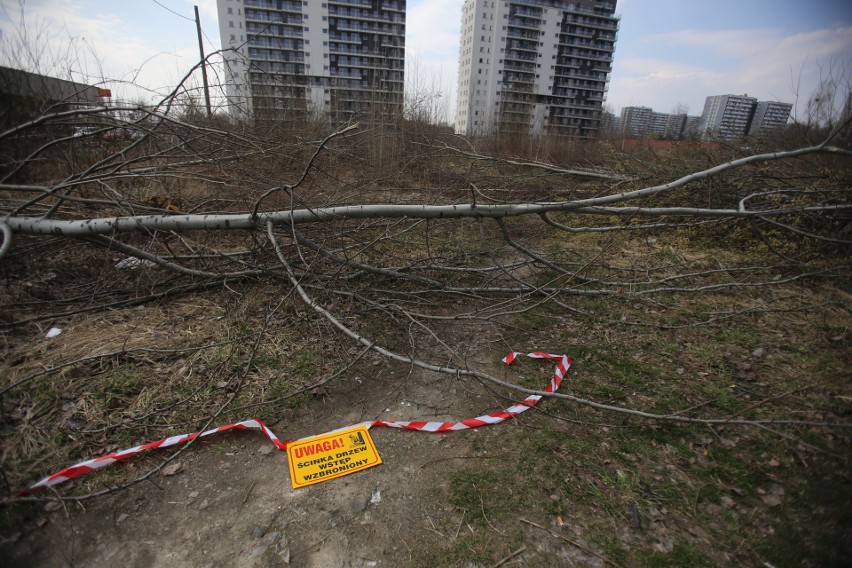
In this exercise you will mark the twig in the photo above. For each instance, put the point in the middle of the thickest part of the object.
(574, 542)
(469, 373)
(521, 550)
(247, 494)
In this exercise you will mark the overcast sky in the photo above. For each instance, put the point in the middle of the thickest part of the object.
(668, 52)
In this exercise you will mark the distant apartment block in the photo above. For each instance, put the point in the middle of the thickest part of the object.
(769, 114)
(537, 67)
(635, 121)
(641, 122)
(342, 59)
(727, 116)
(675, 126)
(735, 116)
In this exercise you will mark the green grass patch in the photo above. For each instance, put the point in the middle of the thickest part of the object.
(683, 555)
(482, 494)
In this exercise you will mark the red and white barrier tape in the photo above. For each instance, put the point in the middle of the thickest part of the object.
(82, 468)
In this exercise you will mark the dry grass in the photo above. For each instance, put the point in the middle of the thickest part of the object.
(705, 346)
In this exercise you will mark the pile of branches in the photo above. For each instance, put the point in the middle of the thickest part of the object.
(112, 207)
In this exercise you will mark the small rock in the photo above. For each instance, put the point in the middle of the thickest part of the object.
(222, 384)
(265, 450)
(727, 502)
(680, 370)
(258, 532)
(53, 506)
(193, 495)
(121, 518)
(759, 352)
(774, 463)
(204, 504)
(270, 538)
(172, 469)
(41, 522)
(258, 551)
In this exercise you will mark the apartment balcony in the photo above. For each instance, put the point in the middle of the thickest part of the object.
(519, 87)
(526, 12)
(524, 23)
(344, 74)
(568, 72)
(521, 46)
(373, 29)
(275, 5)
(512, 70)
(295, 57)
(585, 54)
(365, 16)
(367, 65)
(344, 39)
(566, 40)
(592, 23)
(512, 53)
(278, 44)
(576, 31)
(387, 6)
(267, 18)
(519, 77)
(514, 32)
(338, 49)
(267, 31)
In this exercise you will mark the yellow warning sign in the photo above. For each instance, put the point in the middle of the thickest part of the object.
(331, 455)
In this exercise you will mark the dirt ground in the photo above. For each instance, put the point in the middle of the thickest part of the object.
(231, 502)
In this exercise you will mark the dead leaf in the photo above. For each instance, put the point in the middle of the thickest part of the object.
(172, 469)
(771, 500)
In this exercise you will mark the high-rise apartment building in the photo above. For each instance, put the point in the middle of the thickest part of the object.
(727, 116)
(295, 58)
(534, 66)
(769, 114)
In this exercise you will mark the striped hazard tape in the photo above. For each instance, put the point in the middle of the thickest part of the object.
(563, 363)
